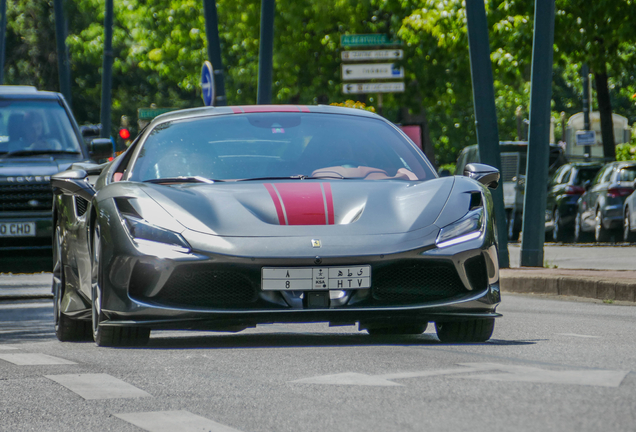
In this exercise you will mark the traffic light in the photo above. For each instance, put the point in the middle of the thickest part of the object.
(124, 134)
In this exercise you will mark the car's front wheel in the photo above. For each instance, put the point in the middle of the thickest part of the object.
(110, 336)
(465, 331)
(403, 329)
(66, 329)
(580, 236)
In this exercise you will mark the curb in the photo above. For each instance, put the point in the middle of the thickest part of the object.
(615, 286)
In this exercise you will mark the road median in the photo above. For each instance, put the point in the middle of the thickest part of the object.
(610, 285)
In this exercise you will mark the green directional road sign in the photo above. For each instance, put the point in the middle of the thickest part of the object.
(150, 113)
(358, 40)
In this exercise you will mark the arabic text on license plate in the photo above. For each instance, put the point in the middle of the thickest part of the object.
(315, 278)
(17, 229)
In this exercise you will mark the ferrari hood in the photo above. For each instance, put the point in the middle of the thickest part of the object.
(304, 207)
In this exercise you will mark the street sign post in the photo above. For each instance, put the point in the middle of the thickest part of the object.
(361, 88)
(370, 55)
(357, 40)
(369, 71)
(207, 84)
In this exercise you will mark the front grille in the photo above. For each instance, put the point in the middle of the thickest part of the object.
(509, 166)
(197, 286)
(416, 282)
(25, 197)
(477, 272)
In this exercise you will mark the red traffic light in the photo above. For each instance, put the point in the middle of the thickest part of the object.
(124, 133)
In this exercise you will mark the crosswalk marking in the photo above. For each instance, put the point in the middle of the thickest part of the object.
(499, 372)
(98, 386)
(34, 359)
(169, 421)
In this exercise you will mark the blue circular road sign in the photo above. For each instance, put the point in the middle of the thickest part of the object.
(207, 84)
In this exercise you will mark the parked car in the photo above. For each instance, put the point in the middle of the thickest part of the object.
(564, 190)
(223, 218)
(38, 138)
(629, 217)
(600, 214)
(513, 176)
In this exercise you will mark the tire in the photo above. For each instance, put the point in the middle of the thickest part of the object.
(628, 235)
(465, 331)
(559, 232)
(109, 336)
(405, 329)
(581, 236)
(66, 329)
(601, 234)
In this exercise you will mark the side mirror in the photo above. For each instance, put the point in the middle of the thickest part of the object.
(484, 174)
(100, 148)
(74, 181)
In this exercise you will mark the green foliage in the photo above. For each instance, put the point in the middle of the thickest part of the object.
(160, 45)
(626, 152)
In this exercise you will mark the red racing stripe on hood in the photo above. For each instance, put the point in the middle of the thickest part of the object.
(302, 203)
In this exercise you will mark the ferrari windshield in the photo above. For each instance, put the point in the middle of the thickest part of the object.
(279, 145)
(36, 126)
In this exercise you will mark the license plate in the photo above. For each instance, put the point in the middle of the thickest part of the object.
(17, 229)
(315, 278)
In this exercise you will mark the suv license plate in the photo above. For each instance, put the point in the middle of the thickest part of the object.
(17, 229)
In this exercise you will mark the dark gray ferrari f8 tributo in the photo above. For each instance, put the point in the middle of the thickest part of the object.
(225, 218)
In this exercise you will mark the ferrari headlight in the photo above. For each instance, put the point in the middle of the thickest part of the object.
(154, 238)
(467, 228)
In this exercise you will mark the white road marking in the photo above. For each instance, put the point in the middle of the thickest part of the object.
(592, 377)
(169, 421)
(595, 377)
(577, 335)
(28, 359)
(98, 386)
(7, 347)
(348, 378)
(29, 305)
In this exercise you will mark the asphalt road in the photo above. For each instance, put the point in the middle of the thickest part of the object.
(550, 366)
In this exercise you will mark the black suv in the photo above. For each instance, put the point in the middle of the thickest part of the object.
(38, 137)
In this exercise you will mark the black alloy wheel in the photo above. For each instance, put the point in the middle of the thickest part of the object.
(66, 329)
(465, 331)
(109, 336)
(601, 234)
(628, 235)
(403, 329)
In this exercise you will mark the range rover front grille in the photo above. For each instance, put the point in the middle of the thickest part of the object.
(25, 197)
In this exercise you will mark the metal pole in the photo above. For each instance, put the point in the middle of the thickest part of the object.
(62, 53)
(485, 111)
(107, 70)
(214, 50)
(3, 31)
(539, 135)
(585, 71)
(266, 52)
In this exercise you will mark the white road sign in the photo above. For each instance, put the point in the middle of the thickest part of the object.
(394, 54)
(386, 87)
(585, 138)
(371, 71)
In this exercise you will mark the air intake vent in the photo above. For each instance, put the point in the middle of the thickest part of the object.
(80, 206)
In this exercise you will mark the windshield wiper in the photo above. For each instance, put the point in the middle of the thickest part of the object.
(38, 152)
(183, 179)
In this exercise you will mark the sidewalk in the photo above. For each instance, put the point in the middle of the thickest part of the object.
(26, 286)
(608, 285)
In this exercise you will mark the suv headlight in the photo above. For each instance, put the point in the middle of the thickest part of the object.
(153, 239)
(467, 228)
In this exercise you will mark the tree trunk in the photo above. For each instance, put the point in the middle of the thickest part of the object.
(605, 110)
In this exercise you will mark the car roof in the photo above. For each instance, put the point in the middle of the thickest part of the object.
(26, 92)
(248, 109)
